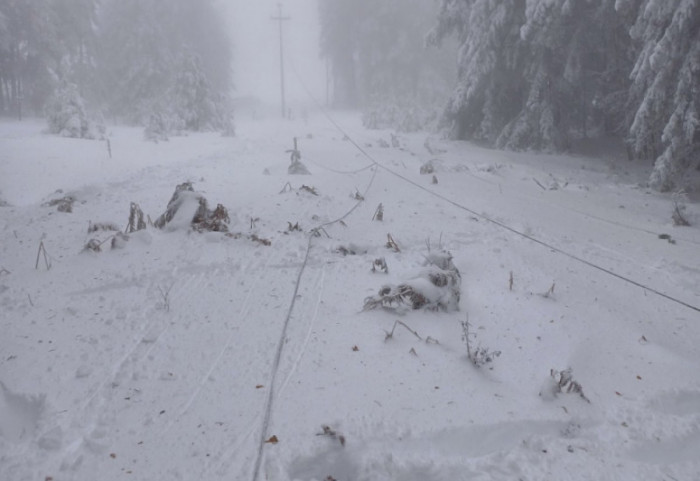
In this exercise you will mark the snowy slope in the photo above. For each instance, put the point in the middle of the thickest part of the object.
(159, 360)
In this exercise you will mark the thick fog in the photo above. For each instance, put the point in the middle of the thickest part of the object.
(256, 50)
(548, 75)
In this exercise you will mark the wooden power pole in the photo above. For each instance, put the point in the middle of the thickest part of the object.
(281, 19)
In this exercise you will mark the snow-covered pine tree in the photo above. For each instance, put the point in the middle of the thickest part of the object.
(145, 71)
(488, 94)
(533, 74)
(665, 95)
(192, 95)
(65, 113)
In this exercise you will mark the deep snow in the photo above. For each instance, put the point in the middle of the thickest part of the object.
(155, 361)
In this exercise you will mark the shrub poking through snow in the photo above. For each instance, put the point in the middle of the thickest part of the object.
(391, 243)
(560, 382)
(437, 288)
(332, 433)
(189, 209)
(119, 240)
(679, 207)
(479, 356)
(136, 219)
(380, 265)
(428, 168)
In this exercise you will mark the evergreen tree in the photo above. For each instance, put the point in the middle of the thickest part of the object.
(665, 95)
(534, 74)
(25, 51)
(162, 56)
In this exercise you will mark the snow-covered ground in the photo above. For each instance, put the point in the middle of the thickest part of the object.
(159, 360)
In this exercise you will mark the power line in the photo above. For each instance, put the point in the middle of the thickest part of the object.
(283, 336)
(489, 219)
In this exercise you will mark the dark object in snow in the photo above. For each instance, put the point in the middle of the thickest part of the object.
(379, 213)
(331, 433)
(102, 226)
(310, 190)
(437, 287)
(428, 167)
(668, 238)
(184, 203)
(293, 227)
(64, 204)
(93, 245)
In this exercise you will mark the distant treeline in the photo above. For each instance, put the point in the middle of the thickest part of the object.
(124, 58)
(534, 74)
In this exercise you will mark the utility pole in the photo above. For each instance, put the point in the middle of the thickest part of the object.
(280, 18)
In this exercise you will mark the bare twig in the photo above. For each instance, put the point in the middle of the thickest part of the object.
(42, 250)
(391, 243)
(379, 213)
(390, 334)
(550, 292)
(310, 190)
(165, 296)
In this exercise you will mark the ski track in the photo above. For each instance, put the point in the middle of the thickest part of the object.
(243, 311)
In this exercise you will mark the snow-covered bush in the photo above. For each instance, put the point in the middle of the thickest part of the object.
(158, 128)
(66, 114)
(479, 356)
(189, 209)
(560, 382)
(436, 287)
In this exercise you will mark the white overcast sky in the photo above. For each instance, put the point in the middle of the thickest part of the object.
(256, 49)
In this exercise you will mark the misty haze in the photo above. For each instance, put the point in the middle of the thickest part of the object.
(340, 240)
